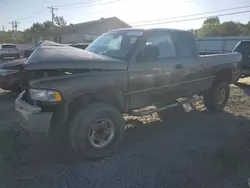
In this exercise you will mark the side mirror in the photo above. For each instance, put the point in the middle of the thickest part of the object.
(150, 51)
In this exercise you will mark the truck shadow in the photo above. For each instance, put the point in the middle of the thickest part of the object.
(7, 96)
(244, 87)
(24, 155)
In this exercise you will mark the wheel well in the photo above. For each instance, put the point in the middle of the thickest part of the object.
(224, 75)
(114, 98)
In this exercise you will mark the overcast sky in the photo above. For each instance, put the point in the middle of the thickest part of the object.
(131, 11)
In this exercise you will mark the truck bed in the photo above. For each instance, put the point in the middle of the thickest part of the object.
(220, 59)
(211, 64)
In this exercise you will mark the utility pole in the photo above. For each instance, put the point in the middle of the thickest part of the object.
(12, 23)
(52, 9)
(16, 25)
(14, 28)
(3, 27)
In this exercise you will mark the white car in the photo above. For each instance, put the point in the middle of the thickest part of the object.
(9, 50)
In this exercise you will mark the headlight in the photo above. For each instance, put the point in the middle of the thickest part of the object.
(4, 72)
(45, 95)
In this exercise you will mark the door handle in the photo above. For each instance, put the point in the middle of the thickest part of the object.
(178, 66)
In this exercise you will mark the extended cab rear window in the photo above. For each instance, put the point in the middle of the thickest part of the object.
(185, 44)
(8, 46)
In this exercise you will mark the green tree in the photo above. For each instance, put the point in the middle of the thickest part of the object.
(244, 30)
(6, 37)
(209, 30)
(214, 20)
(229, 29)
(213, 27)
(42, 27)
(60, 21)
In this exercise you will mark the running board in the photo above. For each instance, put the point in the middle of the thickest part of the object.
(148, 112)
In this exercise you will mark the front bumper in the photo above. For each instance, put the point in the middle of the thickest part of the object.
(35, 121)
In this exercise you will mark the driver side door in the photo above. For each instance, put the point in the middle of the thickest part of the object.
(151, 78)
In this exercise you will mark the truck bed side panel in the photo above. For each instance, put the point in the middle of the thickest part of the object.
(212, 64)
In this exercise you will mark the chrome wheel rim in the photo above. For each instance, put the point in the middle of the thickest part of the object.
(101, 132)
(222, 96)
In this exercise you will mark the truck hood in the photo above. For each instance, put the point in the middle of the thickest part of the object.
(12, 64)
(62, 56)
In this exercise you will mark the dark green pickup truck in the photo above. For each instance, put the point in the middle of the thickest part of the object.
(81, 94)
(243, 47)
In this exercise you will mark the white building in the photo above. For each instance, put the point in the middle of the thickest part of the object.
(82, 32)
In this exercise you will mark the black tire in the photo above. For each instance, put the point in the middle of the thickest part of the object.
(79, 130)
(211, 100)
(171, 113)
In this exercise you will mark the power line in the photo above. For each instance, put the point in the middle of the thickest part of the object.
(96, 12)
(77, 3)
(31, 15)
(190, 15)
(199, 18)
(95, 1)
(102, 11)
(91, 5)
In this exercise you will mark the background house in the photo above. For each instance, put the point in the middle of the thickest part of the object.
(82, 32)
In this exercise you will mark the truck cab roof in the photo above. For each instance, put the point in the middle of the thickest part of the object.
(151, 29)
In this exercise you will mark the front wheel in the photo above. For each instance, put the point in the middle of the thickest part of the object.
(216, 98)
(96, 130)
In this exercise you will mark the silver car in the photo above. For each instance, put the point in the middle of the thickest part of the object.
(9, 50)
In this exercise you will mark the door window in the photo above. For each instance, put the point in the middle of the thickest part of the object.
(164, 42)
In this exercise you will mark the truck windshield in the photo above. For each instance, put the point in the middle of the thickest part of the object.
(243, 48)
(118, 45)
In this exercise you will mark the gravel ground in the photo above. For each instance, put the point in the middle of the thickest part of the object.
(194, 149)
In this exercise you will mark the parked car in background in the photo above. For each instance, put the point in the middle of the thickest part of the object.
(28, 52)
(80, 95)
(244, 48)
(11, 74)
(9, 50)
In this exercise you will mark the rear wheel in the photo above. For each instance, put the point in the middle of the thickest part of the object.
(216, 98)
(96, 130)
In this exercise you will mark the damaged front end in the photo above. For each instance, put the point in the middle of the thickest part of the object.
(51, 77)
(38, 105)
